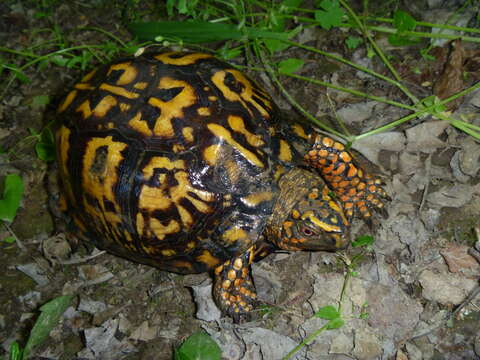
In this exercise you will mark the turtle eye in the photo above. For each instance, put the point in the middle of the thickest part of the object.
(307, 232)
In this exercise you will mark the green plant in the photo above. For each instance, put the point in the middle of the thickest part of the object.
(265, 29)
(332, 313)
(198, 346)
(51, 313)
(9, 204)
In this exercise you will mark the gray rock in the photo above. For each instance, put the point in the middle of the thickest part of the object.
(445, 288)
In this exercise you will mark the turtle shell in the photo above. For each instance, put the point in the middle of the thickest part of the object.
(170, 159)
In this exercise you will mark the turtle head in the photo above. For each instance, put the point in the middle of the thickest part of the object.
(316, 222)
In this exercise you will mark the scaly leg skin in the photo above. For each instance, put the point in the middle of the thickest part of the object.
(357, 190)
(233, 289)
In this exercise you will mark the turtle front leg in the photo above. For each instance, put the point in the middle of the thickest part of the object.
(356, 189)
(233, 288)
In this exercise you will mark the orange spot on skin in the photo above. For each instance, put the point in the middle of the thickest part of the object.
(323, 153)
(231, 275)
(339, 170)
(327, 142)
(328, 169)
(345, 156)
(352, 171)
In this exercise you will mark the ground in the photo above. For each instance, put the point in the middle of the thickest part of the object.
(414, 294)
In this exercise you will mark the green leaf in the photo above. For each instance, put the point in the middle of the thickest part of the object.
(15, 352)
(188, 31)
(353, 42)
(274, 45)
(288, 5)
(400, 40)
(9, 240)
(403, 21)
(426, 55)
(227, 53)
(331, 15)
(40, 100)
(48, 319)
(59, 60)
(328, 312)
(289, 66)
(45, 147)
(432, 100)
(198, 346)
(335, 323)
(20, 75)
(170, 6)
(364, 316)
(45, 152)
(199, 31)
(12, 194)
(364, 240)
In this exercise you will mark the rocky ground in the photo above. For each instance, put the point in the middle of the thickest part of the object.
(415, 293)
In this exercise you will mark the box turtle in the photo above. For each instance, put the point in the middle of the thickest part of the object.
(180, 161)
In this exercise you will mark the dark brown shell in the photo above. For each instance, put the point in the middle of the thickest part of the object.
(170, 159)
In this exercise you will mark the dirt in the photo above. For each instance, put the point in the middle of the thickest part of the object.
(430, 170)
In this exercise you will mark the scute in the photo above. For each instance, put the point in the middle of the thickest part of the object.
(168, 159)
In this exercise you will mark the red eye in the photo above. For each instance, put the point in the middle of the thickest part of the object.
(307, 232)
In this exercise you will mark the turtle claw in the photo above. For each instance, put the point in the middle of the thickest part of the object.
(233, 289)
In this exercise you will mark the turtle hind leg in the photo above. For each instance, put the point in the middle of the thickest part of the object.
(233, 288)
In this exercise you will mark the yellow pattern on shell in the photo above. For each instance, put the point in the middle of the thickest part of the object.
(254, 199)
(285, 151)
(246, 96)
(104, 106)
(128, 75)
(68, 100)
(99, 184)
(237, 124)
(224, 134)
(172, 108)
(233, 234)
(140, 125)
(207, 258)
(120, 91)
(188, 59)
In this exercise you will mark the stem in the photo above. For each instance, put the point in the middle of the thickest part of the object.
(107, 33)
(353, 92)
(17, 240)
(431, 25)
(285, 93)
(317, 332)
(305, 341)
(422, 34)
(377, 49)
(428, 109)
(355, 66)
